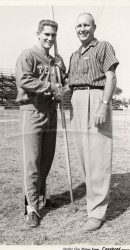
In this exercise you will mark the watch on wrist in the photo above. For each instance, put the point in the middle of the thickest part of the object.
(105, 102)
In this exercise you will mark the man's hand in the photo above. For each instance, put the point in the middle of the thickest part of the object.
(100, 116)
(57, 92)
(58, 96)
(60, 63)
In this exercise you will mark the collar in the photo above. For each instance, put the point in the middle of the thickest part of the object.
(91, 44)
(41, 51)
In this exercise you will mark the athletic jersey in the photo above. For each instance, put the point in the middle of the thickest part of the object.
(33, 92)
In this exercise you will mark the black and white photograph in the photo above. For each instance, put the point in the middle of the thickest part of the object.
(65, 124)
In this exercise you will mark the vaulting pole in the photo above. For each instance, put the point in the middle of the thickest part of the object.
(64, 123)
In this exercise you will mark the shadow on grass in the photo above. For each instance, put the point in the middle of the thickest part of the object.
(60, 200)
(119, 195)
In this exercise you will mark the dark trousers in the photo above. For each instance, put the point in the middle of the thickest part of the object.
(38, 140)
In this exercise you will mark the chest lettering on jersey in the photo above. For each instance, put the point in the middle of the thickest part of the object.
(42, 68)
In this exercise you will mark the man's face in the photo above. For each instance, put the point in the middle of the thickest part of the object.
(47, 37)
(85, 28)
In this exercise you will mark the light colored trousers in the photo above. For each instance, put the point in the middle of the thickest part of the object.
(94, 149)
(37, 145)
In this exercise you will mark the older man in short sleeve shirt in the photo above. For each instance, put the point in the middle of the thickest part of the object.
(92, 79)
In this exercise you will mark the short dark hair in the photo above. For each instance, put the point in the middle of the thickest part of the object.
(45, 22)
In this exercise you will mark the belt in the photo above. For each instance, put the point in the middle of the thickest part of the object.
(87, 87)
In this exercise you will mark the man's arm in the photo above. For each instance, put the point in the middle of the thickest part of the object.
(100, 116)
(25, 78)
(30, 84)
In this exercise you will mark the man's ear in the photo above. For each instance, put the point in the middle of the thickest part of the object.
(37, 33)
(94, 27)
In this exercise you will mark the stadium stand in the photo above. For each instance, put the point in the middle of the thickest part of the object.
(8, 90)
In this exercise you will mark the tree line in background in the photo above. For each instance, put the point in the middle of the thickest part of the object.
(125, 102)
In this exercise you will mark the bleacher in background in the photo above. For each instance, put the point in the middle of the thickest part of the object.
(8, 92)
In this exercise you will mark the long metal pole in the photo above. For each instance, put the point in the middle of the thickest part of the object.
(64, 126)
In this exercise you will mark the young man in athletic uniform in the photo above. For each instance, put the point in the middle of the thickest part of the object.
(38, 93)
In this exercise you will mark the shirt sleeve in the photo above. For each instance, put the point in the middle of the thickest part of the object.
(107, 57)
(25, 78)
(68, 72)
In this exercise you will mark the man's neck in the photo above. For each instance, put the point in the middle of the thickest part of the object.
(44, 51)
(84, 45)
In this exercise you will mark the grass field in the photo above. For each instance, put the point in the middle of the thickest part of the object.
(62, 225)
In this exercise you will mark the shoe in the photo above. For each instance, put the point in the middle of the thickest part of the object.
(92, 224)
(32, 219)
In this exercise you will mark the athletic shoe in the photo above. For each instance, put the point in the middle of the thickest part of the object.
(32, 219)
